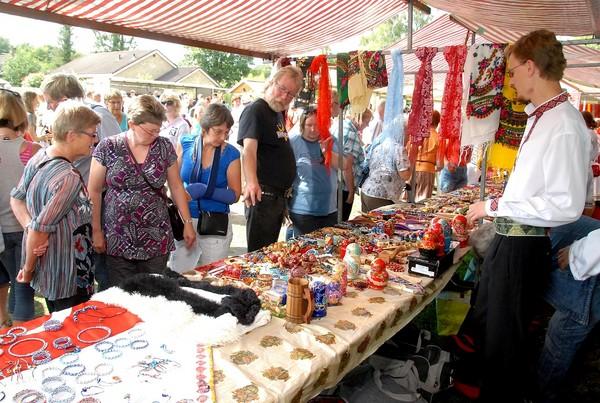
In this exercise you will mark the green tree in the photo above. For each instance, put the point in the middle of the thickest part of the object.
(26, 59)
(224, 68)
(5, 45)
(260, 72)
(33, 80)
(65, 43)
(392, 30)
(107, 42)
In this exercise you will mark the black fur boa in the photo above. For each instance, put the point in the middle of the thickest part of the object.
(240, 302)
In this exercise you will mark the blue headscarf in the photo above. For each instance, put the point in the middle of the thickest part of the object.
(393, 118)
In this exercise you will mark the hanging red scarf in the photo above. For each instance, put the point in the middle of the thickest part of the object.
(319, 66)
(451, 104)
(419, 119)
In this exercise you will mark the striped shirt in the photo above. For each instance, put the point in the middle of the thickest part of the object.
(58, 204)
(353, 146)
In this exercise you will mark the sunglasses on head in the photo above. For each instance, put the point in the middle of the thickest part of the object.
(15, 93)
(168, 103)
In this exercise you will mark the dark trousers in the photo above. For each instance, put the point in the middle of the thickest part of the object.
(120, 268)
(368, 203)
(101, 271)
(303, 224)
(64, 303)
(346, 207)
(514, 273)
(263, 221)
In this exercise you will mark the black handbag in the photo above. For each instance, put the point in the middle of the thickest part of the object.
(209, 222)
(177, 223)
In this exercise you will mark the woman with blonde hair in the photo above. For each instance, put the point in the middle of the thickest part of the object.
(174, 125)
(15, 152)
(136, 231)
(114, 103)
(52, 203)
(32, 101)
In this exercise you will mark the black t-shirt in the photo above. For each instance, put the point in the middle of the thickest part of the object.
(276, 165)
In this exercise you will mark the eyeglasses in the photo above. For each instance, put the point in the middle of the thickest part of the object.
(168, 103)
(93, 134)
(15, 93)
(511, 72)
(219, 132)
(155, 132)
(285, 91)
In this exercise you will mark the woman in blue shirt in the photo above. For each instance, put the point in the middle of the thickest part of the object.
(196, 155)
(314, 192)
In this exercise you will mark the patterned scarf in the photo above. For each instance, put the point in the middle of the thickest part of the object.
(419, 119)
(451, 103)
(373, 63)
(342, 78)
(485, 67)
(319, 67)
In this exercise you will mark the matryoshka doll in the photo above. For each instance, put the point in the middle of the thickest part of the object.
(352, 260)
(378, 276)
(459, 225)
(340, 274)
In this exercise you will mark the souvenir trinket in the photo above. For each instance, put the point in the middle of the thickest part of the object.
(318, 289)
(378, 275)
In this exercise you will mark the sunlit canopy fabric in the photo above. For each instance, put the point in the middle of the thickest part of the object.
(263, 28)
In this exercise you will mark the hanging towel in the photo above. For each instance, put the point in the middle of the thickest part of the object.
(419, 119)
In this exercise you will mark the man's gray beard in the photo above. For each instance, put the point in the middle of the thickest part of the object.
(276, 106)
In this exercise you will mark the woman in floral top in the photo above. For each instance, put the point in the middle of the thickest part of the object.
(136, 233)
(51, 201)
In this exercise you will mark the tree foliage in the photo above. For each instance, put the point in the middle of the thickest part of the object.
(26, 59)
(65, 43)
(392, 30)
(224, 68)
(107, 42)
(260, 72)
(33, 80)
(5, 45)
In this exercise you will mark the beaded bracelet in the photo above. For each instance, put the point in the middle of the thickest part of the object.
(52, 382)
(91, 390)
(22, 330)
(69, 358)
(82, 310)
(136, 333)
(74, 369)
(85, 378)
(88, 399)
(112, 354)
(26, 395)
(52, 325)
(62, 343)
(51, 371)
(139, 344)
(10, 349)
(104, 346)
(122, 342)
(70, 395)
(105, 328)
(103, 369)
(10, 336)
(41, 357)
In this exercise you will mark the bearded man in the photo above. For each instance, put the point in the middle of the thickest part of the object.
(268, 160)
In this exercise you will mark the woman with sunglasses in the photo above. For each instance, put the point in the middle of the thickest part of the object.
(134, 229)
(198, 160)
(52, 203)
(314, 192)
(174, 125)
(15, 152)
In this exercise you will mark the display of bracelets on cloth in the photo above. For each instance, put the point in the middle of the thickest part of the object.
(52, 325)
(112, 354)
(139, 344)
(91, 328)
(62, 343)
(17, 330)
(29, 395)
(95, 314)
(50, 383)
(69, 358)
(73, 369)
(122, 342)
(104, 346)
(11, 349)
(8, 338)
(62, 394)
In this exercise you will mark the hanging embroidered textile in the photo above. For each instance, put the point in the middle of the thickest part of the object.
(359, 94)
(513, 120)
(374, 66)
(419, 119)
(306, 96)
(342, 61)
(484, 71)
(451, 103)
(320, 68)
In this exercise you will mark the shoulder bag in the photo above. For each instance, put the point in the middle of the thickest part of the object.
(177, 224)
(210, 223)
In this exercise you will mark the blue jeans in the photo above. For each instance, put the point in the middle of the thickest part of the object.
(577, 306)
(20, 299)
(450, 181)
(101, 271)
